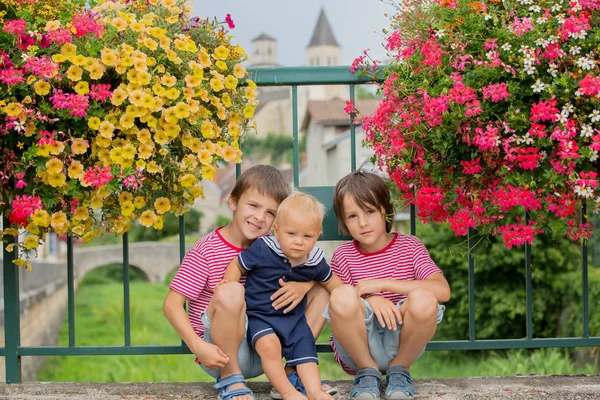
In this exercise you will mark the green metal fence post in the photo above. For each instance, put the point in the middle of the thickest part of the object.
(12, 314)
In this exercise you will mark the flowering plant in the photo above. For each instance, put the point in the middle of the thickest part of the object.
(112, 114)
(491, 108)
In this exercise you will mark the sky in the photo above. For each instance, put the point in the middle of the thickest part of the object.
(356, 24)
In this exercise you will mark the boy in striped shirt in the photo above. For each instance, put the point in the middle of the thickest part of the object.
(215, 330)
(387, 311)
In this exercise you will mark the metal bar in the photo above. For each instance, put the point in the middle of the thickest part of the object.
(321, 347)
(352, 131)
(126, 303)
(287, 76)
(295, 131)
(181, 239)
(584, 276)
(471, 262)
(238, 170)
(70, 290)
(12, 312)
(413, 219)
(528, 288)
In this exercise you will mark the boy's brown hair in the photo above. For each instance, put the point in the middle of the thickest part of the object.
(267, 180)
(368, 190)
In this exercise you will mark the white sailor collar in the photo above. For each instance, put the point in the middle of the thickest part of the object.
(315, 256)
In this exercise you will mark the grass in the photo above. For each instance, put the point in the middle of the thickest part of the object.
(99, 322)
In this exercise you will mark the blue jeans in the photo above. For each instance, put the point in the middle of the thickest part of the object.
(247, 357)
(383, 342)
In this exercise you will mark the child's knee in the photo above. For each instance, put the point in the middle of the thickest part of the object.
(422, 304)
(344, 301)
(268, 346)
(230, 296)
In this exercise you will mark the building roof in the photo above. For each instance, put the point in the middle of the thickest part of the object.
(263, 36)
(323, 34)
(267, 96)
(331, 112)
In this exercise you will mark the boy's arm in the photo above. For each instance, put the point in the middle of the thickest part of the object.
(234, 271)
(290, 294)
(435, 282)
(208, 354)
(333, 283)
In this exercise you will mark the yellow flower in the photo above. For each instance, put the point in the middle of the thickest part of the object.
(54, 166)
(145, 151)
(157, 32)
(137, 27)
(147, 219)
(143, 135)
(89, 236)
(228, 153)
(158, 224)
(197, 191)
(149, 43)
(127, 208)
(139, 202)
(68, 50)
(33, 229)
(74, 73)
(119, 23)
(96, 70)
(41, 88)
(182, 110)
(158, 89)
(59, 222)
(126, 61)
(239, 71)
(188, 180)
(79, 59)
(221, 53)
(96, 202)
(82, 88)
(168, 80)
(162, 205)
(20, 263)
(75, 170)
(94, 123)
(81, 214)
(221, 65)
(106, 129)
(136, 97)
(193, 80)
(153, 168)
(230, 82)
(250, 93)
(204, 58)
(172, 93)
(109, 57)
(216, 84)
(248, 112)
(13, 109)
(160, 137)
(118, 97)
(52, 25)
(56, 180)
(79, 146)
(102, 142)
(226, 100)
(11, 232)
(208, 172)
(58, 58)
(207, 129)
(205, 156)
(31, 242)
(129, 151)
(41, 218)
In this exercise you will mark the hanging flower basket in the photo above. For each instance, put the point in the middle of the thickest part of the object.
(113, 114)
(491, 109)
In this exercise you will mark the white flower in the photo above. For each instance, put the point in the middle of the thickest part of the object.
(487, 17)
(594, 156)
(529, 69)
(555, 8)
(541, 42)
(595, 116)
(506, 47)
(24, 56)
(586, 131)
(440, 33)
(525, 139)
(538, 86)
(585, 63)
(19, 126)
(580, 35)
(541, 20)
(568, 108)
(574, 50)
(584, 191)
(535, 9)
(562, 118)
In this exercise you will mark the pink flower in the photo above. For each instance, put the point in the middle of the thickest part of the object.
(471, 167)
(350, 108)
(97, 176)
(496, 92)
(590, 85)
(20, 182)
(16, 27)
(229, 21)
(22, 208)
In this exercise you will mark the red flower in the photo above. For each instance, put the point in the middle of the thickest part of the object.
(229, 21)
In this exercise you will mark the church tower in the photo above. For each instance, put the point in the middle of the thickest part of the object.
(323, 50)
(264, 51)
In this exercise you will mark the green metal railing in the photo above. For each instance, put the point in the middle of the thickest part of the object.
(293, 77)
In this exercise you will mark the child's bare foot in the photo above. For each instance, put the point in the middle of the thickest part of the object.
(321, 396)
(294, 395)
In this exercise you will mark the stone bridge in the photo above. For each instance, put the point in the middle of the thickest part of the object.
(153, 259)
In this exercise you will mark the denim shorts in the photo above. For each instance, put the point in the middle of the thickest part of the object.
(383, 342)
(248, 358)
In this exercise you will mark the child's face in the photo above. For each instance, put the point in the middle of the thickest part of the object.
(367, 226)
(253, 214)
(297, 235)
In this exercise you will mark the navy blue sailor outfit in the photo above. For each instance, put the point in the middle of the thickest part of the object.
(265, 264)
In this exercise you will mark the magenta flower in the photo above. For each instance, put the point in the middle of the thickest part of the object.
(229, 21)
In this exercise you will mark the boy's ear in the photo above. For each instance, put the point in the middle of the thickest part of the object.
(274, 227)
(232, 202)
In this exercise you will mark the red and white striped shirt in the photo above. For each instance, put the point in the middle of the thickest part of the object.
(405, 258)
(202, 268)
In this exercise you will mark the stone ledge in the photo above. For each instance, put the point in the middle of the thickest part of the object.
(580, 387)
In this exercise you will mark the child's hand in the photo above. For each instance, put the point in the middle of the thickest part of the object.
(294, 395)
(290, 294)
(386, 312)
(221, 282)
(211, 356)
(368, 287)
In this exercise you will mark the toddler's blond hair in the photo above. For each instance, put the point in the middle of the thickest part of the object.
(304, 204)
